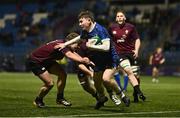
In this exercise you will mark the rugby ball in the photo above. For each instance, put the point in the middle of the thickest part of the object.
(95, 40)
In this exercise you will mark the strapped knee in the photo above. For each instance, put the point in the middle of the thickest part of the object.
(136, 70)
(125, 64)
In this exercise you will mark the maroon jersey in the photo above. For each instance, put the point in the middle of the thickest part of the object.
(157, 57)
(47, 52)
(124, 37)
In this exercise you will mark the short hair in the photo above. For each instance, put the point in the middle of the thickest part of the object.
(71, 36)
(86, 14)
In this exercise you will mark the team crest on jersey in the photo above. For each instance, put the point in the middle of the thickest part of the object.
(114, 32)
(126, 31)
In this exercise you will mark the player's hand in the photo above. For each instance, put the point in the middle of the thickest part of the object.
(91, 63)
(87, 61)
(59, 46)
(135, 54)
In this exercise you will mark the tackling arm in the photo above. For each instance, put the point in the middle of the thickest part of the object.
(85, 69)
(74, 57)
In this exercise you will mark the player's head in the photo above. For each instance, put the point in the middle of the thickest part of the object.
(159, 50)
(120, 17)
(86, 18)
(70, 37)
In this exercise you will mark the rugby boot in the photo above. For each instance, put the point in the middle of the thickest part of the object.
(63, 101)
(38, 102)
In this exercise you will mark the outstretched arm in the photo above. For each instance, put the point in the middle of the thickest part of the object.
(67, 43)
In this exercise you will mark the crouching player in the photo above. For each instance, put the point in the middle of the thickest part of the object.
(42, 62)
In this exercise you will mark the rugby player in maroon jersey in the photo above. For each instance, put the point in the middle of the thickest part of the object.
(127, 44)
(42, 62)
(156, 60)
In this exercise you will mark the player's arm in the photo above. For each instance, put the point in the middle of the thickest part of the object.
(105, 46)
(137, 47)
(150, 60)
(76, 58)
(162, 61)
(67, 43)
(90, 63)
(85, 70)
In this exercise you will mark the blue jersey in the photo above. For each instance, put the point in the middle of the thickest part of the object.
(101, 59)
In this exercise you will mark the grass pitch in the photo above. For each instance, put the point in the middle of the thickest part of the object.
(18, 90)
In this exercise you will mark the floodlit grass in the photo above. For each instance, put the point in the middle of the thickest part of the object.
(18, 90)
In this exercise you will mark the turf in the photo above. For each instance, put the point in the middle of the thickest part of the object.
(18, 90)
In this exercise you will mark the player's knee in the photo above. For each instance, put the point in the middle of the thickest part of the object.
(136, 70)
(106, 80)
(50, 85)
(125, 64)
(128, 71)
(84, 85)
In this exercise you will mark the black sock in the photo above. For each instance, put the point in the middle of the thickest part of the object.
(39, 98)
(137, 89)
(95, 95)
(60, 95)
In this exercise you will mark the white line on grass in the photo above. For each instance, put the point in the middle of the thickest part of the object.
(116, 114)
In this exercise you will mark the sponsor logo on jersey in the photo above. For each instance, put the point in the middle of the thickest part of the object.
(114, 32)
(43, 68)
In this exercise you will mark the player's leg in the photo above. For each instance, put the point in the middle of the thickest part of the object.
(117, 78)
(56, 69)
(44, 90)
(136, 71)
(125, 80)
(155, 73)
(40, 71)
(125, 64)
(86, 84)
(110, 83)
(98, 83)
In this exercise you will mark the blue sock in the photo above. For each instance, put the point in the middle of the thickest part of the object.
(117, 78)
(125, 82)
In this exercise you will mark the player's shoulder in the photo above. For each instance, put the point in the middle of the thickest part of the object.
(129, 25)
(99, 27)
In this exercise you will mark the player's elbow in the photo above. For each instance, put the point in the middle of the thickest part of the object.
(106, 45)
(106, 48)
(69, 54)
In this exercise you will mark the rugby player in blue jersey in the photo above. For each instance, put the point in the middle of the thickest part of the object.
(103, 54)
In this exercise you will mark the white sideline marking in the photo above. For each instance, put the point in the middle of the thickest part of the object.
(115, 114)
